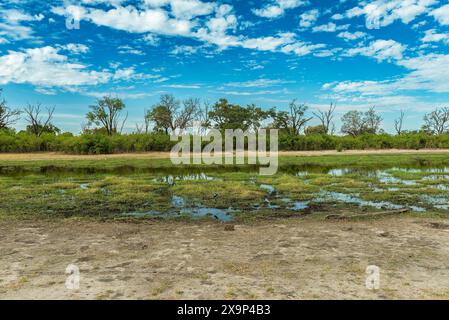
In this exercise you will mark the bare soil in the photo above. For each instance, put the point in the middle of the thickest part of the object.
(164, 155)
(279, 259)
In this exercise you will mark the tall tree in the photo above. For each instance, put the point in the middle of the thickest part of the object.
(232, 116)
(356, 122)
(326, 118)
(372, 121)
(353, 123)
(399, 122)
(8, 116)
(437, 122)
(168, 115)
(293, 120)
(37, 123)
(107, 113)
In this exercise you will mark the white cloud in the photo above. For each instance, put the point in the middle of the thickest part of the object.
(46, 67)
(259, 83)
(338, 16)
(75, 48)
(184, 50)
(130, 19)
(330, 27)
(302, 48)
(308, 18)
(427, 73)
(352, 35)
(184, 9)
(441, 15)
(218, 29)
(380, 13)
(277, 8)
(433, 36)
(381, 50)
(126, 49)
(182, 86)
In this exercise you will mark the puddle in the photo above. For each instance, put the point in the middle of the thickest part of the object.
(326, 196)
(84, 186)
(268, 187)
(299, 206)
(436, 177)
(436, 202)
(387, 178)
(442, 187)
(178, 202)
(218, 214)
(340, 172)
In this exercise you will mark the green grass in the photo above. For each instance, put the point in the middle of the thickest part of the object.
(117, 186)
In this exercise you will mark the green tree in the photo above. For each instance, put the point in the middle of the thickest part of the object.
(107, 113)
(356, 122)
(232, 116)
(169, 115)
(437, 122)
(319, 129)
(293, 120)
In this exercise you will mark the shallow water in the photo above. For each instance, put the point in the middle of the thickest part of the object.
(327, 196)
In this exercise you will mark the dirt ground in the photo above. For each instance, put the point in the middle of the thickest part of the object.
(164, 155)
(279, 259)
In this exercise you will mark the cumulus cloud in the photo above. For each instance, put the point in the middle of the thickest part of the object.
(381, 13)
(277, 8)
(330, 27)
(433, 36)
(348, 36)
(12, 25)
(441, 15)
(380, 50)
(308, 18)
(46, 67)
(427, 73)
(258, 83)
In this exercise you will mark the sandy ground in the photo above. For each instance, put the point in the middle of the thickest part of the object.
(165, 155)
(279, 259)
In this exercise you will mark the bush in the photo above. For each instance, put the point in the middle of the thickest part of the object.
(98, 143)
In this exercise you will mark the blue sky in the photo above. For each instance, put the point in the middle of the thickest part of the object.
(390, 54)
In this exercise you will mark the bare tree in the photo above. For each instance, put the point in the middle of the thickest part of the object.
(297, 115)
(147, 121)
(7, 116)
(185, 117)
(204, 118)
(37, 123)
(139, 128)
(326, 118)
(107, 113)
(437, 122)
(293, 120)
(398, 123)
(168, 115)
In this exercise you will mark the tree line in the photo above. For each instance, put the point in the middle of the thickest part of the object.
(107, 118)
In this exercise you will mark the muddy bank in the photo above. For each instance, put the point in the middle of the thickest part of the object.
(281, 259)
(37, 156)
